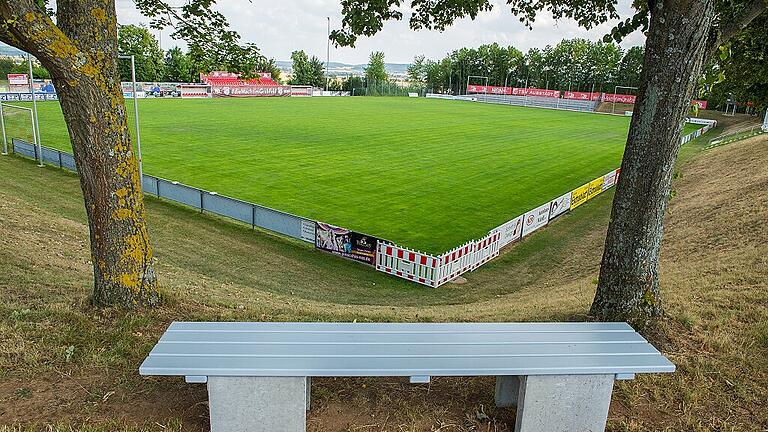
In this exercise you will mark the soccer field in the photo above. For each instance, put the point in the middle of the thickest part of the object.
(426, 174)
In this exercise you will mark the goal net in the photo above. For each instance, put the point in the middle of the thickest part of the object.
(17, 124)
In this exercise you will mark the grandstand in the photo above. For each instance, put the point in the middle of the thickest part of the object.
(540, 102)
(228, 84)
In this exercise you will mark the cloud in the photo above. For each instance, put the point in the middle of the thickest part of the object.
(280, 27)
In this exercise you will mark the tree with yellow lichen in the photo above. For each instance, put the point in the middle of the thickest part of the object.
(80, 51)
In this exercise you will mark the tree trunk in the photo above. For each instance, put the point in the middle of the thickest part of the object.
(628, 288)
(81, 54)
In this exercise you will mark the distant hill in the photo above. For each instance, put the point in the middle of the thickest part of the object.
(7, 50)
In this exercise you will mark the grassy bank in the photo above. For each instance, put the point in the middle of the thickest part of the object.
(66, 366)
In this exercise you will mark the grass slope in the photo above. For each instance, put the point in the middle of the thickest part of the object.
(427, 174)
(65, 366)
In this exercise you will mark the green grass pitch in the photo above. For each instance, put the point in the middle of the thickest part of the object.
(426, 174)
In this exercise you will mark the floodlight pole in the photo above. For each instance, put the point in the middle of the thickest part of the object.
(2, 126)
(35, 124)
(327, 52)
(505, 81)
(136, 114)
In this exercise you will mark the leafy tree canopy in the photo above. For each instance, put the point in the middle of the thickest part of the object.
(307, 71)
(140, 43)
(376, 72)
(367, 17)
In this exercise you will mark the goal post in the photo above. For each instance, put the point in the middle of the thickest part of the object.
(17, 122)
(485, 85)
(616, 92)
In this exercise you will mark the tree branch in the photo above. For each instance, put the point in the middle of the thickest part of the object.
(733, 27)
(27, 27)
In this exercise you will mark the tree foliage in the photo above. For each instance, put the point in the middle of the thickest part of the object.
(8, 66)
(742, 69)
(178, 67)
(306, 70)
(376, 71)
(139, 42)
(575, 64)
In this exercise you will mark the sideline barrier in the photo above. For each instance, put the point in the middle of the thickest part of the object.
(409, 264)
(205, 201)
(405, 263)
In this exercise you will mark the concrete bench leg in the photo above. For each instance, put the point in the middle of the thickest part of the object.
(559, 403)
(507, 388)
(256, 404)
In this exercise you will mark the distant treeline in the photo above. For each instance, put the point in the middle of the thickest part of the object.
(575, 64)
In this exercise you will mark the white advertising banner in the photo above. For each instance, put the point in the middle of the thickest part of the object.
(18, 79)
(560, 205)
(535, 219)
(765, 122)
(308, 230)
(509, 231)
(609, 180)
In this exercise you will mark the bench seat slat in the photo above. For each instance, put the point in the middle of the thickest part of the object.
(400, 350)
(434, 349)
(324, 366)
(408, 337)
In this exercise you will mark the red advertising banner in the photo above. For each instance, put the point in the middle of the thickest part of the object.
(702, 104)
(581, 95)
(536, 92)
(472, 88)
(620, 98)
(250, 90)
(18, 79)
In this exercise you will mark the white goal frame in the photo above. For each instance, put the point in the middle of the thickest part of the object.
(466, 89)
(615, 90)
(36, 142)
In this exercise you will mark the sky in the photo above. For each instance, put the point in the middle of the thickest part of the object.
(280, 27)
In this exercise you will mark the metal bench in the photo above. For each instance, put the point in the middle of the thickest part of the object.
(560, 375)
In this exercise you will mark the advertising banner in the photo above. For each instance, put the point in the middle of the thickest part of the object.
(308, 230)
(536, 92)
(584, 193)
(346, 243)
(620, 98)
(510, 231)
(765, 122)
(581, 95)
(609, 180)
(702, 104)
(489, 89)
(536, 219)
(250, 90)
(560, 205)
(18, 79)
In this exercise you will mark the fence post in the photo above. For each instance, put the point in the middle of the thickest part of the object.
(2, 126)
(61, 164)
(201, 200)
(253, 216)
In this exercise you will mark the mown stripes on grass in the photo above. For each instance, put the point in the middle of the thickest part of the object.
(427, 174)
